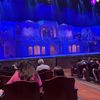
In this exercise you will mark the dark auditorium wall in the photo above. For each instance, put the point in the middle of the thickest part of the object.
(64, 62)
(49, 61)
(69, 61)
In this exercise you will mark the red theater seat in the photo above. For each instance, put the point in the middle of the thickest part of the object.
(22, 90)
(59, 88)
(4, 79)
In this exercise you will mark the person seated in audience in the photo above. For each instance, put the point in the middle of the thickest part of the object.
(58, 71)
(15, 66)
(42, 65)
(95, 70)
(25, 72)
(73, 69)
(80, 66)
(84, 71)
(12, 68)
(90, 63)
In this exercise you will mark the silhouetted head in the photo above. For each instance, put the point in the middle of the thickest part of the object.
(40, 61)
(58, 71)
(26, 70)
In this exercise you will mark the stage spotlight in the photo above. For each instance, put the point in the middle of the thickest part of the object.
(97, 0)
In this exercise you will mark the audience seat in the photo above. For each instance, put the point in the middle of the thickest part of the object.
(22, 90)
(1, 85)
(59, 88)
(87, 75)
(7, 70)
(4, 79)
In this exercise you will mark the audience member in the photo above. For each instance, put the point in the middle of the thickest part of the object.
(58, 71)
(88, 70)
(15, 66)
(80, 66)
(25, 72)
(42, 65)
(90, 63)
(95, 70)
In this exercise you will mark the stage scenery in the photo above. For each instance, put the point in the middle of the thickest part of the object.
(46, 38)
(49, 49)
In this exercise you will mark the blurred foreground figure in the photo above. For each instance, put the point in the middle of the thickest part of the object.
(42, 65)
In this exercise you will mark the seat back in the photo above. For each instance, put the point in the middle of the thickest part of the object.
(4, 79)
(59, 88)
(22, 90)
(46, 75)
(7, 70)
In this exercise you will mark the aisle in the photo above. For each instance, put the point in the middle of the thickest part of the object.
(86, 90)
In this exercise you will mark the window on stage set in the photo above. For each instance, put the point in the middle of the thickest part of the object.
(69, 34)
(52, 50)
(30, 50)
(43, 50)
(36, 50)
(74, 48)
(47, 32)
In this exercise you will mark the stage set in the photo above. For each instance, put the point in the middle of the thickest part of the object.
(46, 38)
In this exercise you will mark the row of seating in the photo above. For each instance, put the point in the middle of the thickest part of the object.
(56, 88)
(86, 72)
(3, 80)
